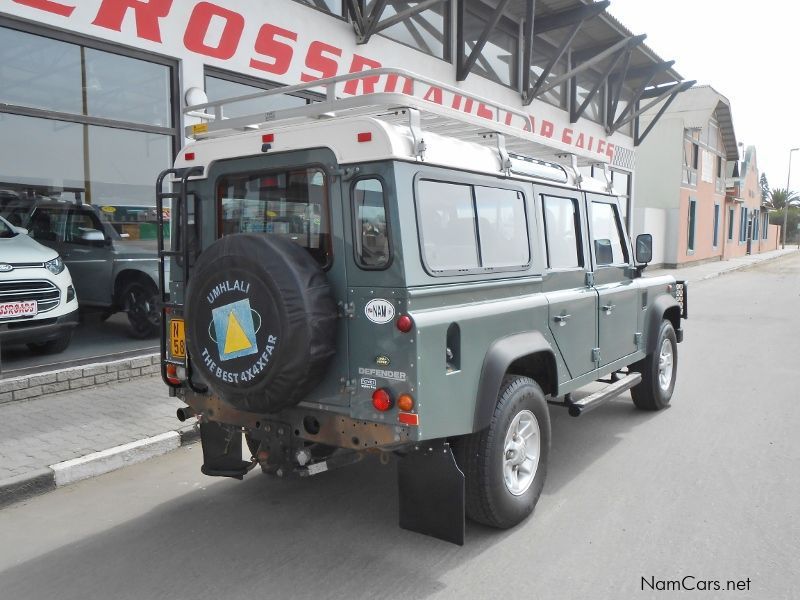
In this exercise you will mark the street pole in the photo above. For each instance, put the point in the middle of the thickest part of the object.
(786, 202)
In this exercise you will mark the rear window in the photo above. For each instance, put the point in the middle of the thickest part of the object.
(292, 204)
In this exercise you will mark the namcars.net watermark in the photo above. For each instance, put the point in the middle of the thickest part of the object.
(690, 583)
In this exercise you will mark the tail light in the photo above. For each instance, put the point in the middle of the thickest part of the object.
(174, 374)
(381, 400)
(405, 402)
(405, 323)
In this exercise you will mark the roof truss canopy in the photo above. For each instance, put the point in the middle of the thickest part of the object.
(558, 44)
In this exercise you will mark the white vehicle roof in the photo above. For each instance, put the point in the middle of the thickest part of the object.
(390, 126)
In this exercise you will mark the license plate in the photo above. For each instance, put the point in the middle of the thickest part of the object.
(28, 308)
(177, 338)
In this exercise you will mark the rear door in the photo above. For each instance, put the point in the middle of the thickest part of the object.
(572, 303)
(297, 196)
(618, 308)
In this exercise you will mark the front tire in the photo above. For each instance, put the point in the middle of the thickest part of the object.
(506, 463)
(140, 302)
(659, 370)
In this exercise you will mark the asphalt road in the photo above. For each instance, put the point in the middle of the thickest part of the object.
(708, 488)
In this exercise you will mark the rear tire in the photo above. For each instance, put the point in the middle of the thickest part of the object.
(659, 370)
(506, 463)
(53, 346)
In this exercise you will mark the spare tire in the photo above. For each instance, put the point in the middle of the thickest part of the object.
(260, 321)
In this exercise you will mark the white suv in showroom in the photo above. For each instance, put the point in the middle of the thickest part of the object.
(38, 305)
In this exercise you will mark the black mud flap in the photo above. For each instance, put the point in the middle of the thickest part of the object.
(222, 451)
(432, 498)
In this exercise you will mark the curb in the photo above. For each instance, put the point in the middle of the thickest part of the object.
(744, 266)
(36, 385)
(23, 487)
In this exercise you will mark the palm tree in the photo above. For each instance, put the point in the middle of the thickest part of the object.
(778, 197)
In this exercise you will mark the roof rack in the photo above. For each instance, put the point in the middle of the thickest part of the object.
(402, 98)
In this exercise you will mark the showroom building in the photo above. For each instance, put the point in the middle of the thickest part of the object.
(92, 93)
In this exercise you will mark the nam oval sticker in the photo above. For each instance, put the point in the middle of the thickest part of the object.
(379, 311)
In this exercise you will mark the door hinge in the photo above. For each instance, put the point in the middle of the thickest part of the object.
(347, 310)
(589, 279)
(637, 339)
(348, 386)
(596, 355)
(345, 173)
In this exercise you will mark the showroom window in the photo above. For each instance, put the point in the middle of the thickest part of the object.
(89, 123)
(224, 84)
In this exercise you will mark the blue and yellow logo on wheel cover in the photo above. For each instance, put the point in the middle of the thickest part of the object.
(234, 329)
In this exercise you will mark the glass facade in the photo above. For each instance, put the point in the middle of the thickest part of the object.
(87, 124)
(427, 31)
(500, 55)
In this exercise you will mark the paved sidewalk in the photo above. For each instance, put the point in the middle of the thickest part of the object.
(40, 432)
(43, 431)
(716, 268)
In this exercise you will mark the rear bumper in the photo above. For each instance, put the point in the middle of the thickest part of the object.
(38, 331)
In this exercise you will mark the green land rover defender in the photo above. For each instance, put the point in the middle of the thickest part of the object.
(383, 274)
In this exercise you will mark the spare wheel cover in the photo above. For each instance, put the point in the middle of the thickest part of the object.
(260, 321)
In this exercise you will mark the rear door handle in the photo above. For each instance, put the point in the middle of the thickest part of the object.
(562, 319)
(608, 308)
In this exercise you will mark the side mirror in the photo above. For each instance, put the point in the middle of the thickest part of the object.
(92, 235)
(644, 248)
(125, 236)
(20, 230)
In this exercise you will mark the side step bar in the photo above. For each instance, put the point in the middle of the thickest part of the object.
(578, 407)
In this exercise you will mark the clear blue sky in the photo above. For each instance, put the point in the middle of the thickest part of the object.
(747, 51)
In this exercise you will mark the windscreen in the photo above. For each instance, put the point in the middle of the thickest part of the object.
(292, 204)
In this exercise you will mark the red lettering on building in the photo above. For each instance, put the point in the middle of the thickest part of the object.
(267, 44)
(591, 142)
(566, 135)
(581, 141)
(317, 59)
(485, 112)
(361, 63)
(547, 129)
(610, 151)
(47, 5)
(434, 94)
(600, 145)
(197, 29)
(147, 13)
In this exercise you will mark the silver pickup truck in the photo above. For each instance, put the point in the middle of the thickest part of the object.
(109, 271)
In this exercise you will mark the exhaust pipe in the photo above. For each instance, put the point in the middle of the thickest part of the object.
(185, 412)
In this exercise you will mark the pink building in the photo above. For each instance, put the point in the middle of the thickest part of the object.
(691, 192)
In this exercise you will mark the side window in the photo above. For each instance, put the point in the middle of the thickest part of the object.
(78, 223)
(562, 232)
(447, 222)
(609, 248)
(44, 225)
(372, 235)
(502, 227)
